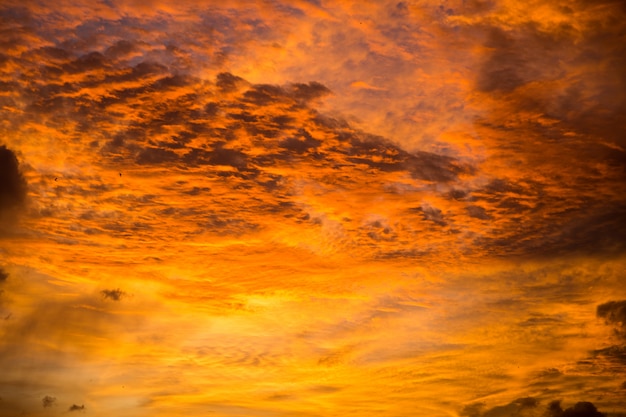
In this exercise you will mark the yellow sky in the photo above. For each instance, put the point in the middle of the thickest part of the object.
(310, 208)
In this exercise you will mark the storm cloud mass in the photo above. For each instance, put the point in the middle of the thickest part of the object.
(12, 183)
(313, 208)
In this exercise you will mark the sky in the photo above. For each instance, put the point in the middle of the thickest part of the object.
(313, 208)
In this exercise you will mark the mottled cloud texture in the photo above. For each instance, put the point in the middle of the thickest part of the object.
(313, 208)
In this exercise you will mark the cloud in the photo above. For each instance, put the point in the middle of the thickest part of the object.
(552, 71)
(308, 92)
(505, 68)
(614, 312)
(529, 407)
(141, 108)
(48, 401)
(615, 354)
(51, 337)
(580, 409)
(115, 295)
(225, 170)
(155, 156)
(75, 407)
(12, 181)
(3, 275)
(519, 407)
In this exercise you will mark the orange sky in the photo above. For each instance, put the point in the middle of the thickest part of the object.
(311, 208)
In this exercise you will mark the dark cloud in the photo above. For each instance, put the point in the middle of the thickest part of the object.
(432, 214)
(88, 62)
(614, 312)
(580, 409)
(504, 69)
(527, 406)
(121, 49)
(472, 410)
(229, 157)
(75, 407)
(48, 401)
(379, 153)
(602, 230)
(263, 94)
(3, 275)
(115, 295)
(615, 354)
(554, 409)
(155, 156)
(12, 182)
(228, 82)
(564, 87)
(301, 143)
(308, 92)
(540, 321)
(514, 409)
(478, 212)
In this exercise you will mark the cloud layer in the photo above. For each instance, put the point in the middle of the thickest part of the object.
(305, 208)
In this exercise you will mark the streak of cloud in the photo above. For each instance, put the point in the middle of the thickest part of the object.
(529, 406)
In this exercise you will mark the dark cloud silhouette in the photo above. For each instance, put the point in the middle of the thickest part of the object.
(614, 312)
(75, 407)
(526, 406)
(12, 182)
(301, 143)
(580, 409)
(522, 73)
(382, 154)
(308, 92)
(472, 410)
(225, 156)
(478, 213)
(228, 82)
(505, 67)
(515, 408)
(155, 156)
(554, 409)
(264, 94)
(432, 214)
(88, 62)
(3, 275)
(121, 49)
(48, 401)
(615, 354)
(115, 295)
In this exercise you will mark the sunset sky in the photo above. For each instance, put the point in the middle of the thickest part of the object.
(298, 208)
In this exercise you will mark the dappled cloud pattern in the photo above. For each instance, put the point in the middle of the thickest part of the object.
(313, 208)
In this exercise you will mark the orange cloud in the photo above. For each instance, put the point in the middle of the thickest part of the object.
(302, 209)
